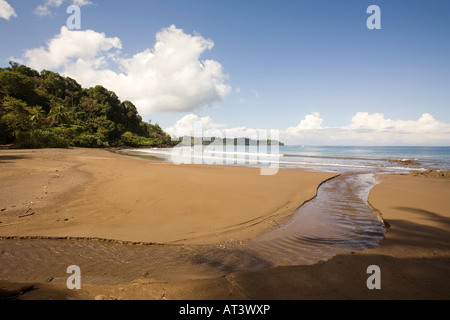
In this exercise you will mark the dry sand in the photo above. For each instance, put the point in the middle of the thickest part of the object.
(414, 257)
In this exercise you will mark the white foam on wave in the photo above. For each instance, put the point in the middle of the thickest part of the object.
(230, 157)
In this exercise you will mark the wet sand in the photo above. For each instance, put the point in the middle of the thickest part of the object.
(414, 259)
(86, 193)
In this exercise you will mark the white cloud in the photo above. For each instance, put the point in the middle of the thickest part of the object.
(311, 122)
(370, 129)
(45, 9)
(81, 3)
(71, 48)
(192, 124)
(364, 129)
(363, 120)
(170, 77)
(256, 93)
(6, 11)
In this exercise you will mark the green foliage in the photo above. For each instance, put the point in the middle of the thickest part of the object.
(14, 118)
(90, 141)
(133, 140)
(39, 139)
(69, 133)
(36, 108)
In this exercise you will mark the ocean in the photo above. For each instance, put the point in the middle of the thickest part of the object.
(324, 158)
(421, 158)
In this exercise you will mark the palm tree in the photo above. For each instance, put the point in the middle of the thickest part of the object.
(37, 116)
(57, 114)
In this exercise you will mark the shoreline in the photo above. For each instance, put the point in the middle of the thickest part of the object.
(414, 258)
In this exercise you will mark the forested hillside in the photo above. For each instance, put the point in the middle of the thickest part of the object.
(44, 109)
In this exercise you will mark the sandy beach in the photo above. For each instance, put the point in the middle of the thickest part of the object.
(83, 193)
(100, 195)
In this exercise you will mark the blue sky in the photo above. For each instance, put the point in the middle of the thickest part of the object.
(311, 69)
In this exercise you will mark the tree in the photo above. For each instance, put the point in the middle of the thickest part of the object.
(57, 114)
(16, 85)
(14, 117)
(45, 108)
(37, 117)
(24, 70)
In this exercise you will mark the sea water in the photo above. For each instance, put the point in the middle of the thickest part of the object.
(334, 158)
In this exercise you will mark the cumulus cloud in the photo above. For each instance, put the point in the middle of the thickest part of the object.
(189, 124)
(363, 120)
(196, 126)
(364, 129)
(45, 9)
(170, 77)
(371, 129)
(311, 122)
(70, 48)
(6, 11)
